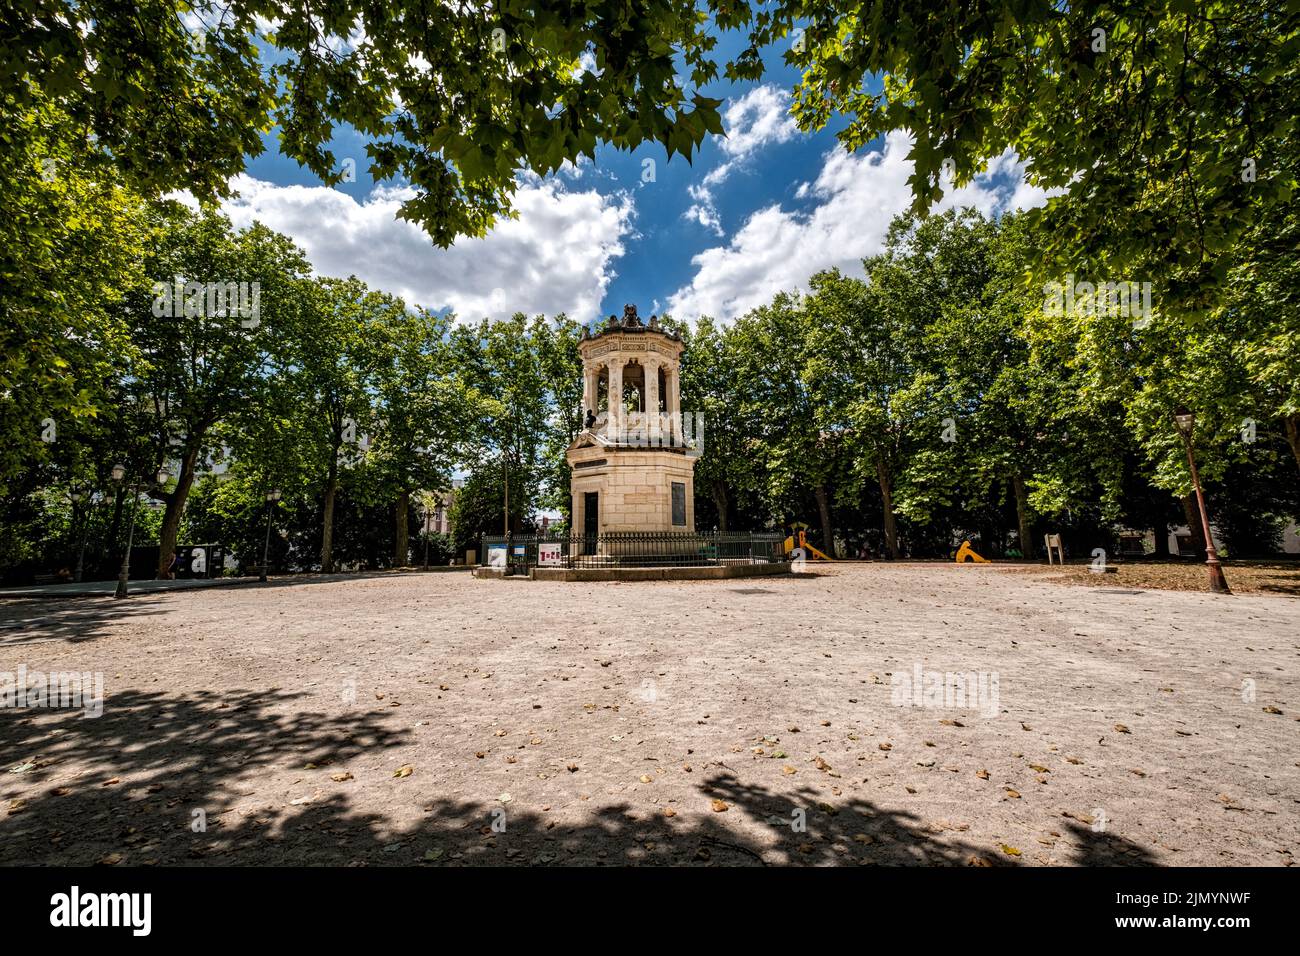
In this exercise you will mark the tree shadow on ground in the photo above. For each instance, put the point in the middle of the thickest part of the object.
(1101, 848)
(1288, 585)
(152, 759)
(25, 621)
(319, 577)
(86, 617)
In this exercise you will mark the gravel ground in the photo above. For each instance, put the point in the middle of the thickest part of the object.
(438, 719)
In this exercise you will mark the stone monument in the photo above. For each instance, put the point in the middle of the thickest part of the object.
(632, 466)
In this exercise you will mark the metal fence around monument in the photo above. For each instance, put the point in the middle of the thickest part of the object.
(631, 549)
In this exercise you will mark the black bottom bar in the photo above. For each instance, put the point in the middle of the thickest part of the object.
(212, 906)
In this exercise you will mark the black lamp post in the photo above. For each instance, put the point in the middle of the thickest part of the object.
(1185, 422)
(119, 474)
(427, 515)
(272, 497)
(505, 472)
(77, 495)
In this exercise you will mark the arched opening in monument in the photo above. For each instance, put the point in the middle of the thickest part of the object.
(633, 387)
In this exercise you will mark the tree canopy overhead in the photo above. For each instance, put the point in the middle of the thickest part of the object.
(1169, 124)
(454, 99)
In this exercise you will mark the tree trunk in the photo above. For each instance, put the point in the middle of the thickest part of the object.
(891, 524)
(327, 533)
(1024, 519)
(1162, 540)
(402, 547)
(171, 524)
(1192, 514)
(1293, 436)
(719, 489)
(828, 533)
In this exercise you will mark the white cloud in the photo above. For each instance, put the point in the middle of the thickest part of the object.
(859, 194)
(556, 257)
(759, 118)
(703, 210)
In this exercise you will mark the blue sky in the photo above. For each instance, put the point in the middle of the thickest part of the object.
(755, 213)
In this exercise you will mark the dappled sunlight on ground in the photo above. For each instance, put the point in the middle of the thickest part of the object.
(440, 719)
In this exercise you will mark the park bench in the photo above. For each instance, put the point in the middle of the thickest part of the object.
(1132, 545)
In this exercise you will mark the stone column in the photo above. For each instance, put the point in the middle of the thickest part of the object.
(615, 427)
(650, 366)
(674, 404)
(590, 390)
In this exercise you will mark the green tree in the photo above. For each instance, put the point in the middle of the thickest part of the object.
(561, 373)
(726, 475)
(1168, 125)
(71, 244)
(502, 363)
(1262, 320)
(455, 100)
(324, 400)
(205, 335)
(428, 416)
(479, 504)
(969, 270)
(864, 364)
(780, 380)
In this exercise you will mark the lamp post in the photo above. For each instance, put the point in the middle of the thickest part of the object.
(1185, 421)
(505, 471)
(119, 475)
(426, 534)
(77, 495)
(272, 497)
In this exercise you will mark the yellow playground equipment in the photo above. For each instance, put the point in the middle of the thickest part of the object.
(967, 553)
(808, 549)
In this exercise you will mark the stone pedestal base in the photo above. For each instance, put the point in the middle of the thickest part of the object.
(634, 488)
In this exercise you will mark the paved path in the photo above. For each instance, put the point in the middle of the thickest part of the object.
(102, 588)
(108, 588)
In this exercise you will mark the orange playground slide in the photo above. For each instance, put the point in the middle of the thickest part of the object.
(803, 543)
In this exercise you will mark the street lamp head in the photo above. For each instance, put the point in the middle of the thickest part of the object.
(76, 496)
(163, 475)
(274, 494)
(118, 472)
(1184, 419)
